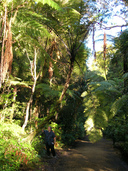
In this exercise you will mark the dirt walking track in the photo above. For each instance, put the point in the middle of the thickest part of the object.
(86, 156)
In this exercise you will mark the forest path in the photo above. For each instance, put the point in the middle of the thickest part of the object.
(100, 156)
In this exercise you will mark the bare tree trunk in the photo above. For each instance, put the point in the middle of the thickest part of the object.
(105, 72)
(33, 89)
(93, 39)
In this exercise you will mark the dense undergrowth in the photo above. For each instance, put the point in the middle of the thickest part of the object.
(117, 130)
(15, 153)
(18, 154)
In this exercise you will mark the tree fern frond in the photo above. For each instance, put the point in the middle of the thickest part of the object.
(72, 94)
(125, 76)
(47, 91)
(103, 88)
(99, 116)
(50, 3)
(31, 15)
(22, 84)
(119, 104)
(72, 11)
(31, 27)
(101, 84)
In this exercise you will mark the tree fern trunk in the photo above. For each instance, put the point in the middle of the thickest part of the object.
(67, 81)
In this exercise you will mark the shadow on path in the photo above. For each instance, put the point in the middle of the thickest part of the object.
(86, 156)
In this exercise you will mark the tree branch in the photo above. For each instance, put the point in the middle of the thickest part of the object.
(30, 64)
(111, 27)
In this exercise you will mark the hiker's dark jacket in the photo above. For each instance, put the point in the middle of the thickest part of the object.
(49, 137)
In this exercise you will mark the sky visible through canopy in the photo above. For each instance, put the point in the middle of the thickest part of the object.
(116, 19)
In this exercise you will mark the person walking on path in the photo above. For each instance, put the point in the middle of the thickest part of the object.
(50, 140)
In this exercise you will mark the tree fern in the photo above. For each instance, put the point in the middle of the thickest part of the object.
(98, 102)
(125, 76)
(51, 3)
(47, 91)
(118, 104)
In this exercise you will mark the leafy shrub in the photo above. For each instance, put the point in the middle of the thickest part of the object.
(71, 121)
(14, 153)
(117, 130)
(38, 145)
(95, 135)
(57, 130)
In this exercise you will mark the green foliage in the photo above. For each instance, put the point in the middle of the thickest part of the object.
(51, 3)
(94, 135)
(99, 105)
(120, 104)
(8, 106)
(117, 130)
(58, 29)
(14, 152)
(47, 91)
(71, 117)
(80, 62)
(121, 42)
(102, 65)
(125, 76)
(57, 129)
(105, 106)
(38, 145)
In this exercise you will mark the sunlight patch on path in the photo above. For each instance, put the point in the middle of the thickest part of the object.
(88, 156)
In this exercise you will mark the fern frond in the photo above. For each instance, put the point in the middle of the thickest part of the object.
(22, 84)
(18, 82)
(118, 104)
(50, 3)
(72, 11)
(47, 91)
(125, 76)
(72, 94)
(100, 118)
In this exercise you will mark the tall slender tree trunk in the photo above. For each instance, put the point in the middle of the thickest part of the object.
(67, 81)
(3, 45)
(32, 92)
(93, 39)
(105, 69)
